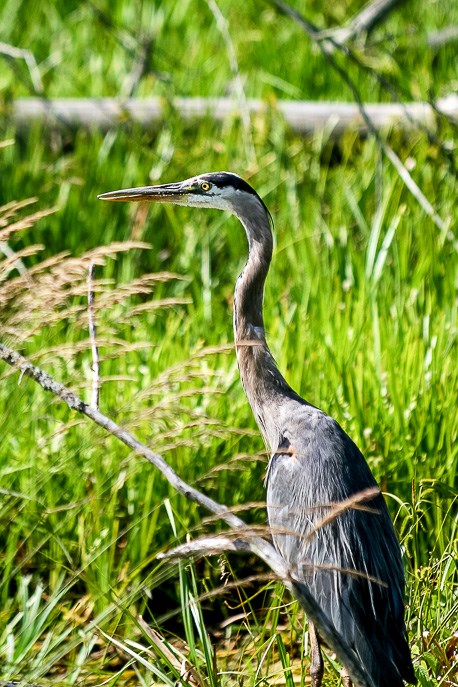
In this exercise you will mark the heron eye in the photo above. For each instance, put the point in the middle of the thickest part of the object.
(205, 186)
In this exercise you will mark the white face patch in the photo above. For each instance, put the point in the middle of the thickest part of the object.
(216, 198)
(201, 192)
(210, 199)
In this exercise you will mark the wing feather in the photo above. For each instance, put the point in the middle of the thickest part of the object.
(351, 562)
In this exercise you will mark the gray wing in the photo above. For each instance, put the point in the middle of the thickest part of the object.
(316, 465)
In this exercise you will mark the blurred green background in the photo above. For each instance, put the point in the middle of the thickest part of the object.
(361, 315)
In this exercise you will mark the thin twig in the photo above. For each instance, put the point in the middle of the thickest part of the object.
(362, 23)
(7, 142)
(413, 187)
(140, 68)
(257, 545)
(406, 177)
(15, 53)
(442, 37)
(206, 546)
(93, 337)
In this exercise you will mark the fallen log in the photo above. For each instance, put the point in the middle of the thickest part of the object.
(302, 116)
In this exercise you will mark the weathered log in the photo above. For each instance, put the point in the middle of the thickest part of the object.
(302, 116)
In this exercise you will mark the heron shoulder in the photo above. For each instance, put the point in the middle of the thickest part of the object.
(322, 447)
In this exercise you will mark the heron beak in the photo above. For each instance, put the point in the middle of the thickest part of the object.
(164, 193)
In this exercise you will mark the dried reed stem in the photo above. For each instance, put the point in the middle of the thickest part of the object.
(93, 337)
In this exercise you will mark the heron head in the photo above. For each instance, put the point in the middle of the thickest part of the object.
(219, 190)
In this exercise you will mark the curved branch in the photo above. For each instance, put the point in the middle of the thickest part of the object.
(362, 23)
(262, 548)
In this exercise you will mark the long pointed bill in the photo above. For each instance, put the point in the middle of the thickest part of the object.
(165, 193)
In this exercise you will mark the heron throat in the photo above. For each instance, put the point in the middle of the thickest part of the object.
(262, 381)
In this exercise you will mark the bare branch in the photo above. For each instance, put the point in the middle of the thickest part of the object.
(7, 142)
(363, 23)
(206, 546)
(363, 109)
(257, 545)
(442, 37)
(15, 53)
(413, 187)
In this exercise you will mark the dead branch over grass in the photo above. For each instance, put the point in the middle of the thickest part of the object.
(362, 23)
(255, 544)
(15, 53)
(327, 47)
(53, 293)
(57, 289)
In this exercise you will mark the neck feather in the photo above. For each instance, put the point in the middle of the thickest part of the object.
(260, 376)
(249, 289)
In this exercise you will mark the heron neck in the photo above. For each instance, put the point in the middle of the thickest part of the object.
(249, 289)
(260, 376)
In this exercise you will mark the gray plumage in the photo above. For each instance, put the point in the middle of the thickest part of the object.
(351, 562)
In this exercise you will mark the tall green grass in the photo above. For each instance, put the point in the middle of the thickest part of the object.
(363, 329)
(361, 315)
(93, 49)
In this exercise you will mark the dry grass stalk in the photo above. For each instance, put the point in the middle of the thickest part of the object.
(55, 289)
(189, 674)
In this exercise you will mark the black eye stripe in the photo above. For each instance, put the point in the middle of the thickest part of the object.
(223, 179)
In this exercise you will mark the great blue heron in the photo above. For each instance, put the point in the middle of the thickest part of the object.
(352, 564)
